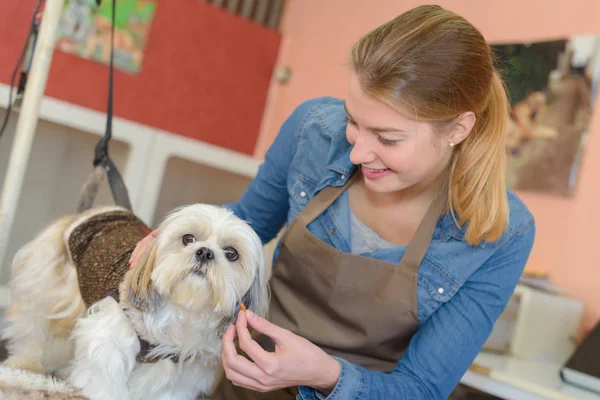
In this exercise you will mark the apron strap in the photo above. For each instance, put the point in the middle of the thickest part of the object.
(422, 238)
(324, 199)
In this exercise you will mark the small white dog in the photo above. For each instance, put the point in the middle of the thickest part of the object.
(162, 339)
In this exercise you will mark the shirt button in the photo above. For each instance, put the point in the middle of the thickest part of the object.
(302, 194)
(343, 176)
(441, 290)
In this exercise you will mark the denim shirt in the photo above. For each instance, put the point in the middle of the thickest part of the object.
(462, 289)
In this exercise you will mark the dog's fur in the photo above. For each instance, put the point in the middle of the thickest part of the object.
(172, 299)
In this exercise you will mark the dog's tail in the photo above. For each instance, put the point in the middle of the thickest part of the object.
(42, 268)
(47, 247)
(45, 302)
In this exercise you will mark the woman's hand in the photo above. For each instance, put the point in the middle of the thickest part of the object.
(295, 362)
(142, 248)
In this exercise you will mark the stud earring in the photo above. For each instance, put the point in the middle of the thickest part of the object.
(451, 144)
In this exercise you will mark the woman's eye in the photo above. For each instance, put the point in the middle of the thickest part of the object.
(231, 254)
(188, 239)
(387, 142)
(349, 121)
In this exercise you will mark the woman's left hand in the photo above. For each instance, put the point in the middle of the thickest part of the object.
(295, 362)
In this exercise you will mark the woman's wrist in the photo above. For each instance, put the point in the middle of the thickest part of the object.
(328, 376)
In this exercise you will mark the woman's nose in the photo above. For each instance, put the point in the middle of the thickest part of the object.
(362, 152)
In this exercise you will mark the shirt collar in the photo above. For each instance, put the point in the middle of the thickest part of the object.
(341, 163)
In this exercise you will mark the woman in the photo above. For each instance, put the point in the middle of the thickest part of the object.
(402, 245)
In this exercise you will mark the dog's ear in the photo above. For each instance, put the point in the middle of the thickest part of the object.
(142, 292)
(257, 297)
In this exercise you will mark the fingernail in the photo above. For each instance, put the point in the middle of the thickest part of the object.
(250, 314)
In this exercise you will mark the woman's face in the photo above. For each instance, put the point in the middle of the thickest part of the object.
(395, 152)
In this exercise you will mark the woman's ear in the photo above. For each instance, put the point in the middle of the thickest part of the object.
(462, 127)
(142, 291)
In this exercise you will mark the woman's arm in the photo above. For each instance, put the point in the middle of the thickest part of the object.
(444, 347)
(265, 203)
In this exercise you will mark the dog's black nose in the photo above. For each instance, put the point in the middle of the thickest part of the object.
(205, 254)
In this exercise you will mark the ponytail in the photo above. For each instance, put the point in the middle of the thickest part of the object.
(477, 185)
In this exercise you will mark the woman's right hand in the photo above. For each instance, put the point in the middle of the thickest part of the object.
(142, 248)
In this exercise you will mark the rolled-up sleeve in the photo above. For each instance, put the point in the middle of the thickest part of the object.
(349, 386)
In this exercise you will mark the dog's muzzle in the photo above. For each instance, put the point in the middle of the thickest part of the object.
(204, 255)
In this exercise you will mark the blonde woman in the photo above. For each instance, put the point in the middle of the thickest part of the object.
(402, 244)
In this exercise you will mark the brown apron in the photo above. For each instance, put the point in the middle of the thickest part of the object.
(361, 309)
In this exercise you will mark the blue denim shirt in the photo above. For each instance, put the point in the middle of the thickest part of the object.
(462, 289)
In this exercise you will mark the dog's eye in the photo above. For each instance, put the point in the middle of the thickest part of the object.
(231, 253)
(188, 239)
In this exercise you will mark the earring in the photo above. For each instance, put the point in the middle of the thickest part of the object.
(451, 144)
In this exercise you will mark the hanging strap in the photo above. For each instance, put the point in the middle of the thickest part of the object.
(102, 160)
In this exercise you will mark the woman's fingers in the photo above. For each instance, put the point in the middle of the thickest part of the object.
(266, 361)
(240, 380)
(142, 248)
(238, 364)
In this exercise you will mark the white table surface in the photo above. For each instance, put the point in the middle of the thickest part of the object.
(510, 378)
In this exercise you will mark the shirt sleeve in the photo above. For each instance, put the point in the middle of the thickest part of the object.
(265, 203)
(444, 347)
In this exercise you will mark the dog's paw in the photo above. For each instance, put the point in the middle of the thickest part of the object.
(106, 345)
(104, 307)
(23, 363)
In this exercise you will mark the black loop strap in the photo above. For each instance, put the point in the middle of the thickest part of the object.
(101, 155)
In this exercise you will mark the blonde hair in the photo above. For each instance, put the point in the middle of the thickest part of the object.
(434, 64)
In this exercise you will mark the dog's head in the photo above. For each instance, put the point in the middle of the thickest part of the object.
(204, 259)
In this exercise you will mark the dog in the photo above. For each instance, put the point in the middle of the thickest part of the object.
(152, 332)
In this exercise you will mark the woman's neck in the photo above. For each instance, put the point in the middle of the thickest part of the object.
(394, 216)
(418, 195)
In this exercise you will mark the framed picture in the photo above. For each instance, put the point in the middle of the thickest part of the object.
(85, 30)
(552, 87)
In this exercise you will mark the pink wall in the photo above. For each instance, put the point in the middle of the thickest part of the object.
(222, 105)
(317, 36)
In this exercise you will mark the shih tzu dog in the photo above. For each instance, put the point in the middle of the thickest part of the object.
(151, 332)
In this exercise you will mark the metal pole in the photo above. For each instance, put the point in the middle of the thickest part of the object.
(27, 121)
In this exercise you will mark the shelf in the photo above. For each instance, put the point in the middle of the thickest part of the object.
(511, 378)
(149, 146)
